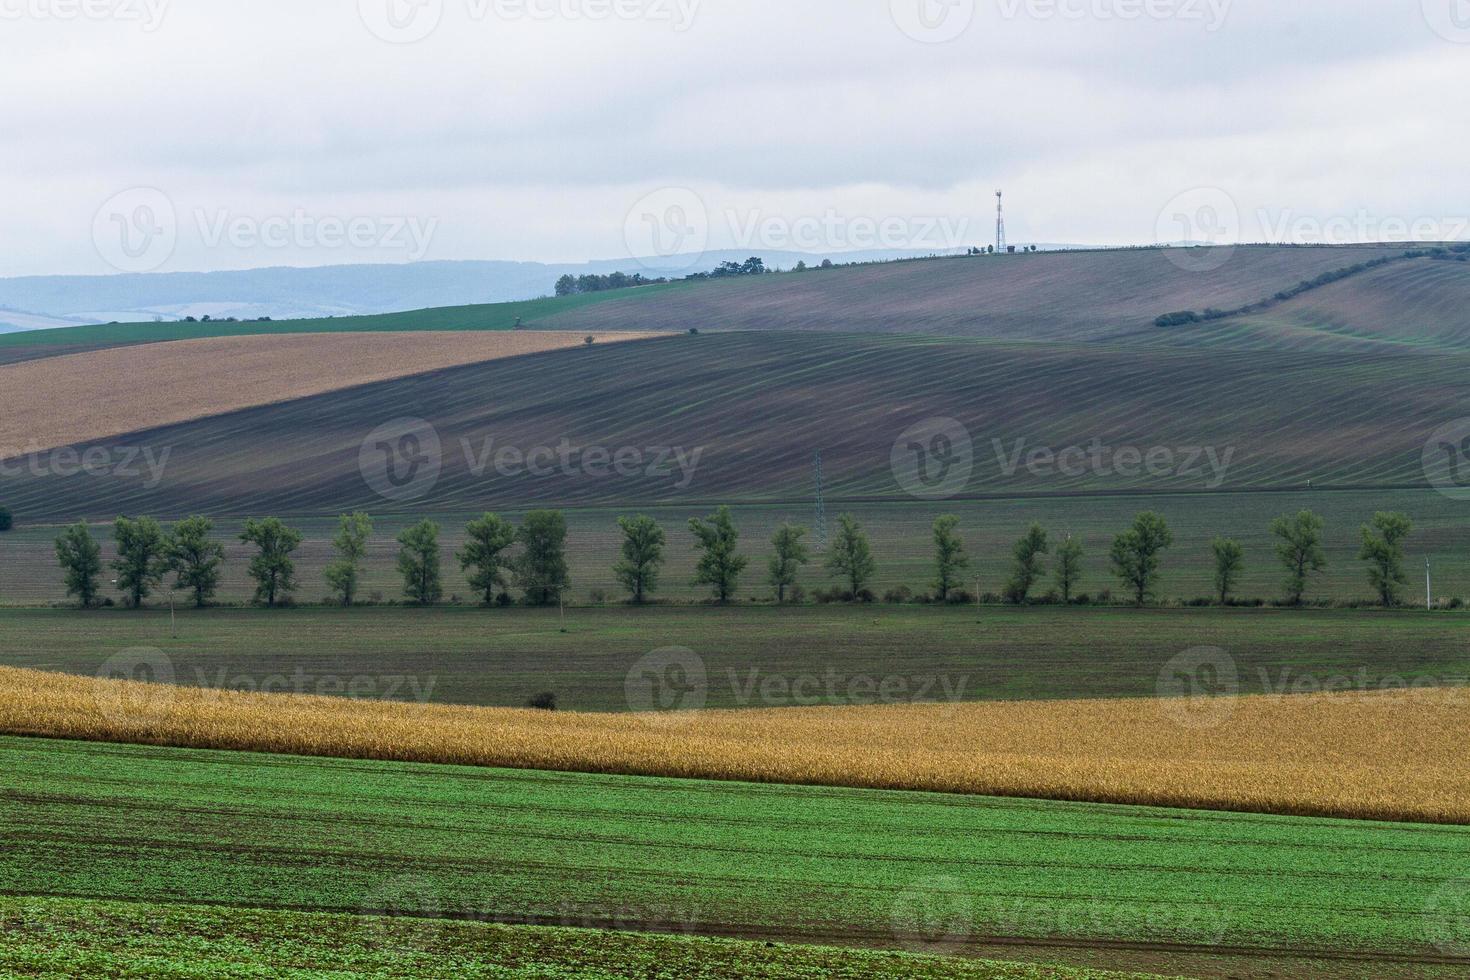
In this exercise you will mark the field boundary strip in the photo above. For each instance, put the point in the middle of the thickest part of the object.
(1388, 755)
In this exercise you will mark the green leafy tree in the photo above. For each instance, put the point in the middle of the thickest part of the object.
(719, 565)
(81, 560)
(949, 556)
(541, 569)
(1136, 554)
(344, 573)
(1299, 547)
(142, 557)
(852, 556)
(643, 555)
(1069, 567)
(1028, 563)
(272, 568)
(788, 555)
(1383, 550)
(196, 558)
(1229, 560)
(418, 563)
(483, 557)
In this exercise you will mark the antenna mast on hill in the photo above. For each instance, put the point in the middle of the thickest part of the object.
(1000, 222)
(819, 519)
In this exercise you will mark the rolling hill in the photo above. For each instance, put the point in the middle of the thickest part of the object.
(1104, 296)
(738, 416)
(1421, 303)
(143, 385)
(1096, 296)
(1059, 380)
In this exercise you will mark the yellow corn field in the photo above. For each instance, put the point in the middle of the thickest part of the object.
(1389, 755)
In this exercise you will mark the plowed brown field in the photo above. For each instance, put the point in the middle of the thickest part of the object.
(60, 401)
(1396, 755)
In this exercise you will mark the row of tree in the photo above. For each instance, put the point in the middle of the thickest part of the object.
(147, 553)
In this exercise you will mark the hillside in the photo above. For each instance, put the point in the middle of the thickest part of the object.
(500, 316)
(738, 416)
(145, 385)
(1092, 296)
(1055, 296)
(1420, 303)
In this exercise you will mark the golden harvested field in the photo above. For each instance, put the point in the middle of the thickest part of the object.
(1396, 755)
(60, 401)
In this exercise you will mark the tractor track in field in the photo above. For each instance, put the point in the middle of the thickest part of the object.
(746, 412)
(978, 946)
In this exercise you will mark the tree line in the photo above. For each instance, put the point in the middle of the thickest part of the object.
(570, 285)
(498, 556)
(147, 554)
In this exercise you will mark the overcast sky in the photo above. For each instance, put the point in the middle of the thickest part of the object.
(165, 135)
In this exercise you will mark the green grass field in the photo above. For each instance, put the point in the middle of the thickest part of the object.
(495, 316)
(901, 538)
(910, 871)
(503, 657)
(92, 939)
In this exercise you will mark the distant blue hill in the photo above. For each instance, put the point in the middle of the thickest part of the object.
(35, 302)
